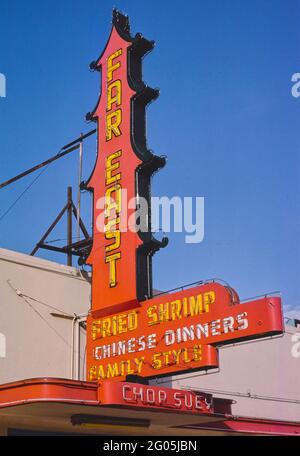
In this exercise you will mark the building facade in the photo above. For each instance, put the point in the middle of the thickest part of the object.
(43, 309)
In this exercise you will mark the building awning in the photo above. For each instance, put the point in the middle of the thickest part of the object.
(68, 406)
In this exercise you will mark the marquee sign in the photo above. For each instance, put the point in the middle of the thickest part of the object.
(177, 332)
(130, 332)
(121, 255)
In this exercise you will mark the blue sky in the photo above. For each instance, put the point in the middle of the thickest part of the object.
(225, 119)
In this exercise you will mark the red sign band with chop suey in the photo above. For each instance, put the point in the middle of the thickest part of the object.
(125, 394)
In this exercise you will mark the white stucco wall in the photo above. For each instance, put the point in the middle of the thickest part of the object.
(262, 377)
(34, 343)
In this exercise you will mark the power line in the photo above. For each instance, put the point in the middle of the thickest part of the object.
(40, 165)
(64, 151)
(246, 395)
(68, 148)
(44, 304)
(22, 194)
(37, 312)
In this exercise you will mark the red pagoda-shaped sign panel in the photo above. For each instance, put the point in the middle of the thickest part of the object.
(122, 245)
